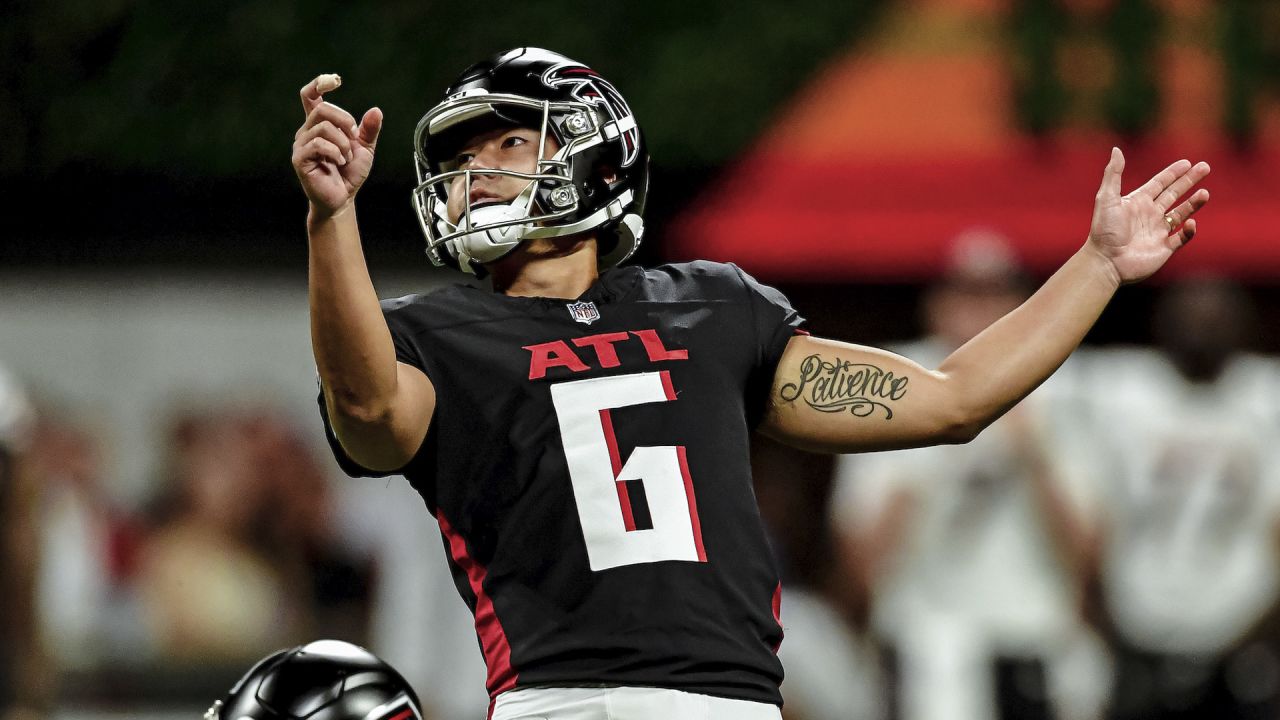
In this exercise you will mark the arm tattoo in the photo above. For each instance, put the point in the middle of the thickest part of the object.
(833, 386)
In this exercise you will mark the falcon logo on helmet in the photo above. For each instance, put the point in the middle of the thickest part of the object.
(586, 85)
(596, 181)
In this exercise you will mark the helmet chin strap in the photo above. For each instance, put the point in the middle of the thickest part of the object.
(488, 244)
(614, 209)
(495, 230)
(485, 243)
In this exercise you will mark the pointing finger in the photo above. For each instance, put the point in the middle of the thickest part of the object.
(313, 91)
(328, 83)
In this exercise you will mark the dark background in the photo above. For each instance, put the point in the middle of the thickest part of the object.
(154, 136)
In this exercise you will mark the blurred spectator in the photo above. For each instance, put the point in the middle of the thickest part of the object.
(87, 549)
(831, 670)
(418, 621)
(210, 593)
(1190, 570)
(300, 531)
(26, 681)
(972, 553)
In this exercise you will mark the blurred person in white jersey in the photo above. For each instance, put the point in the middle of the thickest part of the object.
(25, 670)
(971, 554)
(1190, 570)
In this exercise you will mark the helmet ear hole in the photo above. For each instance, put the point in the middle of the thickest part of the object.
(602, 179)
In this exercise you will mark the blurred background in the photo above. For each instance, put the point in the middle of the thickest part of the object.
(906, 171)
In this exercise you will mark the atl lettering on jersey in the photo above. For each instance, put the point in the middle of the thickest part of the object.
(557, 353)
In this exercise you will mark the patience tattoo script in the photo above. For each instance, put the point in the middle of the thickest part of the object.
(842, 385)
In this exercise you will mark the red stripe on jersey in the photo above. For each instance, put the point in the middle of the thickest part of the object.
(667, 386)
(777, 613)
(611, 440)
(615, 460)
(493, 639)
(403, 715)
(693, 503)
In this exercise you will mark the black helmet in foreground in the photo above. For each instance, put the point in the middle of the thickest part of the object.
(322, 680)
(596, 181)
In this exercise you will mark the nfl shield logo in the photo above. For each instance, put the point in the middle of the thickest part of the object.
(583, 312)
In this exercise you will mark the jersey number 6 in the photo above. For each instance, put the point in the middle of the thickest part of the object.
(600, 477)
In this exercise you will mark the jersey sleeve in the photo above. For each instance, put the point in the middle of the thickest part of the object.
(408, 351)
(773, 322)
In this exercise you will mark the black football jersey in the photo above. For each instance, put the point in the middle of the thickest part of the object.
(588, 464)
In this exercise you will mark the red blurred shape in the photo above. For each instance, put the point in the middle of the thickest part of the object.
(890, 153)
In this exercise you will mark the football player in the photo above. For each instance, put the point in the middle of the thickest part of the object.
(581, 431)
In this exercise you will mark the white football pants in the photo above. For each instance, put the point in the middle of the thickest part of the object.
(625, 703)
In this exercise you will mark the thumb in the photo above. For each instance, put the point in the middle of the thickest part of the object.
(370, 126)
(1111, 175)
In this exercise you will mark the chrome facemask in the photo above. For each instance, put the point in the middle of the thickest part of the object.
(486, 233)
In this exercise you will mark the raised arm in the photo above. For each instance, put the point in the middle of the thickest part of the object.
(379, 408)
(837, 397)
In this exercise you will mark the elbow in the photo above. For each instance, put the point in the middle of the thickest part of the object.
(962, 426)
(363, 412)
(962, 434)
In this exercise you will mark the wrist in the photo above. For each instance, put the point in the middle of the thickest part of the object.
(1101, 264)
(319, 215)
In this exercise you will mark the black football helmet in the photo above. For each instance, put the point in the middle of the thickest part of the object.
(597, 180)
(322, 680)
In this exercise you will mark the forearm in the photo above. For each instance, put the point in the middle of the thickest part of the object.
(349, 337)
(1001, 365)
(837, 397)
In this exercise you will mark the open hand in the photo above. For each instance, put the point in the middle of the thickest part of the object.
(332, 156)
(1140, 231)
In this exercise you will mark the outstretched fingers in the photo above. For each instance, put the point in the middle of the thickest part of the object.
(1164, 179)
(1182, 214)
(1185, 182)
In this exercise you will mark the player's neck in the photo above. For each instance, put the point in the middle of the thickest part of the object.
(556, 268)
